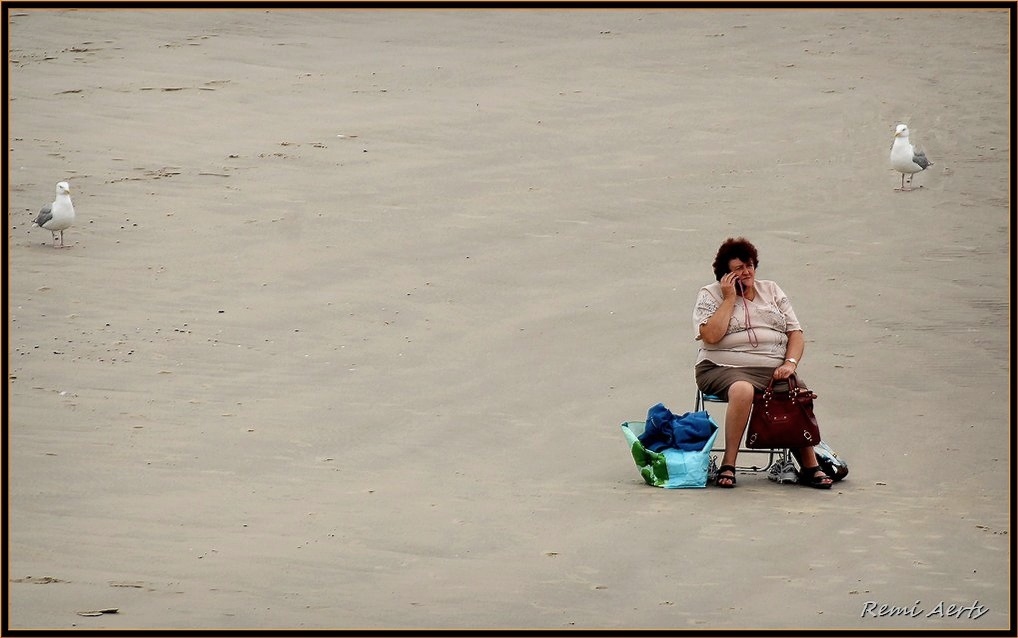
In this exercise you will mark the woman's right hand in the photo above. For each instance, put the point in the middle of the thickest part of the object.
(728, 285)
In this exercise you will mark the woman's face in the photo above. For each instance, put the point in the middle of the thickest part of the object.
(745, 272)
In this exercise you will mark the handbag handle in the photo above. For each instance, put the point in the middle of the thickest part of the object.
(793, 387)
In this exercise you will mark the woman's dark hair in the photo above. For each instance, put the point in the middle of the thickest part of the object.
(734, 248)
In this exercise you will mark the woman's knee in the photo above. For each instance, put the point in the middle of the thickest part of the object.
(741, 392)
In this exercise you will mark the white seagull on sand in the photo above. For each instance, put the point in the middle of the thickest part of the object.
(58, 216)
(905, 158)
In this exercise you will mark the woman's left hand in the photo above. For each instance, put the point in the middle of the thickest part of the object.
(784, 370)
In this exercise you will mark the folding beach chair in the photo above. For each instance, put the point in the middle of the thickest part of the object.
(779, 461)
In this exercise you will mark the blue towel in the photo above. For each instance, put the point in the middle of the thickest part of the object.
(664, 430)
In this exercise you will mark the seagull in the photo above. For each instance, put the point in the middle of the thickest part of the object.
(59, 215)
(905, 159)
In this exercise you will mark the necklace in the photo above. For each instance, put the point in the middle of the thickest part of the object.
(753, 339)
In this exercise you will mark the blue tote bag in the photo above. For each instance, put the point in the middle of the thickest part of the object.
(672, 451)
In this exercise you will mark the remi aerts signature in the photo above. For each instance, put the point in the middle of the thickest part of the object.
(942, 609)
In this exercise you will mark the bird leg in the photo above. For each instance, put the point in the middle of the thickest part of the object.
(903, 189)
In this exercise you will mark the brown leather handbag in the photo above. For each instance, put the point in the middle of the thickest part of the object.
(783, 419)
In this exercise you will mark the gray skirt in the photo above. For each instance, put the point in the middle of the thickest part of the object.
(714, 379)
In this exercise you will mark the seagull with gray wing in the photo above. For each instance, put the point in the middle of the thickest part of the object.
(905, 158)
(58, 216)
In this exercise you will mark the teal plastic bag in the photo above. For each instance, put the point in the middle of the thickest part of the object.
(670, 468)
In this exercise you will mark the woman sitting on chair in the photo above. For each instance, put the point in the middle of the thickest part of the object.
(748, 334)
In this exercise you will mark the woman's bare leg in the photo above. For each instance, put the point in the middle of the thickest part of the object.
(740, 403)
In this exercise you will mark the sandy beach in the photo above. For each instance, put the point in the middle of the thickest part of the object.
(356, 301)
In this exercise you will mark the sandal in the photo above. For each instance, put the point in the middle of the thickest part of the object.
(719, 477)
(815, 477)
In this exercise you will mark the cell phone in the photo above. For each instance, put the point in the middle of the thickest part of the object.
(738, 287)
